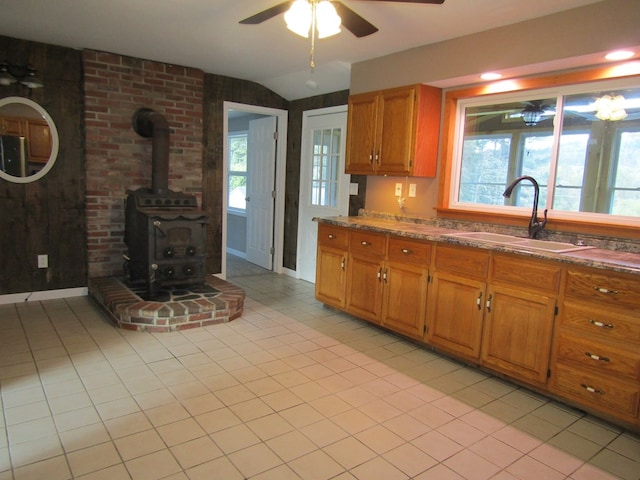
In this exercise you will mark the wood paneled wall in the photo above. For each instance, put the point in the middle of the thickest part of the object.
(47, 216)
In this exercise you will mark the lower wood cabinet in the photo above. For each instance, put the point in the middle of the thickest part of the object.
(518, 328)
(331, 265)
(596, 355)
(573, 332)
(520, 312)
(456, 300)
(455, 313)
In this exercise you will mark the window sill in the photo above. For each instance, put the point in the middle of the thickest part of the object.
(616, 230)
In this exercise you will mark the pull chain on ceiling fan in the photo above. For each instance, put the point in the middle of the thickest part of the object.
(322, 18)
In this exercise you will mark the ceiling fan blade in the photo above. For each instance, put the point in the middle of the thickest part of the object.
(433, 2)
(354, 22)
(267, 14)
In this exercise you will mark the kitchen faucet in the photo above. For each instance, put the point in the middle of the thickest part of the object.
(534, 225)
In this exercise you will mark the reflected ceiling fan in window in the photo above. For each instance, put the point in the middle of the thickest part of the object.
(323, 18)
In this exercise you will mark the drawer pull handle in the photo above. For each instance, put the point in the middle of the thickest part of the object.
(606, 290)
(406, 251)
(364, 243)
(380, 274)
(343, 263)
(597, 358)
(489, 303)
(591, 389)
(600, 324)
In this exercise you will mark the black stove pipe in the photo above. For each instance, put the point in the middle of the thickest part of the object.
(150, 124)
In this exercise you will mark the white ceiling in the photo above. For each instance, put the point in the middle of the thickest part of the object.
(205, 34)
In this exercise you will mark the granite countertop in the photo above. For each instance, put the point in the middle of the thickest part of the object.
(623, 262)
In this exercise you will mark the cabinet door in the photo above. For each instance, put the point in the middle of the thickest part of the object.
(396, 132)
(517, 333)
(364, 287)
(39, 137)
(331, 276)
(405, 298)
(361, 134)
(455, 311)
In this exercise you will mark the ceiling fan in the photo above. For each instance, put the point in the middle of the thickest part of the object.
(350, 19)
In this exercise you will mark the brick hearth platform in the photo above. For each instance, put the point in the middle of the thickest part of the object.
(217, 302)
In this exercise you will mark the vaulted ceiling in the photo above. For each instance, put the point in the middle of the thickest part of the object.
(205, 34)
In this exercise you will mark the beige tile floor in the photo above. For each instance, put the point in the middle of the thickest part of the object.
(292, 390)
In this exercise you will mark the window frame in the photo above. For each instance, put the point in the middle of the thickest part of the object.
(235, 173)
(605, 224)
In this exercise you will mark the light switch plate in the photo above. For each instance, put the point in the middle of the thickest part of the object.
(353, 189)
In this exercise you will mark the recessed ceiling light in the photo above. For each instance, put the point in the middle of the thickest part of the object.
(619, 55)
(491, 76)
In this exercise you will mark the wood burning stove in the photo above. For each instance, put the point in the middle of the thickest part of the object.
(165, 231)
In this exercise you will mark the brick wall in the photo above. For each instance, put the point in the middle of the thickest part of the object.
(118, 159)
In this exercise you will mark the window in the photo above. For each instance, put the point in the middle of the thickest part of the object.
(237, 172)
(324, 172)
(580, 142)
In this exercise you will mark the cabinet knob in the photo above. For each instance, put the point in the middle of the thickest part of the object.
(406, 251)
(364, 243)
(331, 236)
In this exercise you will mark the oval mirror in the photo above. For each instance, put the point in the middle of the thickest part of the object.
(28, 140)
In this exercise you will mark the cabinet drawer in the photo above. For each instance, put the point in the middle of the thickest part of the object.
(409, 251)
(330, 235)
(368, 243)
(532, 274)
(602, 323)
(599, 356)
(605, 288)
(468, 261)
(608, 393)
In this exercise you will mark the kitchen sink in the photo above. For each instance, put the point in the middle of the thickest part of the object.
(520, 243)
(486, 237)
(549, 246)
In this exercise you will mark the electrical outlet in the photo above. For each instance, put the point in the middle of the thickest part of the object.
(398, 190)
(43, 261)
(412, 190)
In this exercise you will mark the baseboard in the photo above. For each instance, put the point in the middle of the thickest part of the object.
(43, 295)
(237, 253)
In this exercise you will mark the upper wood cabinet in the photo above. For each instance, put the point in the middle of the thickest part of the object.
(394, 132)
(36, 132)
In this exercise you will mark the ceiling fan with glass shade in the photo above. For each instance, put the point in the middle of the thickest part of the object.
(350, 19)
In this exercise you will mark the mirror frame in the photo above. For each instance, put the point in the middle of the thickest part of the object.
(55, 141)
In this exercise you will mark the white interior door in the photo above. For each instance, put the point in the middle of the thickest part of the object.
(324, 187)
(261, 162)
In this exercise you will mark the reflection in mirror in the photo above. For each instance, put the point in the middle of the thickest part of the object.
(583, 149)
(28, 140)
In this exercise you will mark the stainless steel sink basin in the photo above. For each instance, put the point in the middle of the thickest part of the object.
(548, 246)
(486, 237)
(520, 243)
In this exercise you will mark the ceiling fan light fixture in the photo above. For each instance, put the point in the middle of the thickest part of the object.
(305, 15)
(327, 19)
(298, 18)
(532, 115)
(610, 108)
